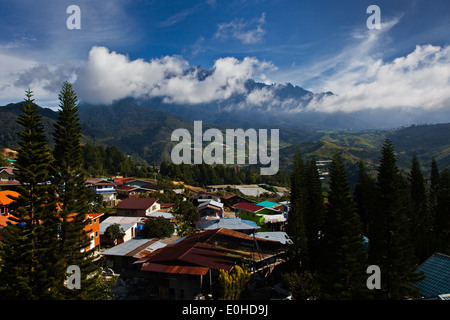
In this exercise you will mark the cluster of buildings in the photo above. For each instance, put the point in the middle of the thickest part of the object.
(239, 225)
(233, 229)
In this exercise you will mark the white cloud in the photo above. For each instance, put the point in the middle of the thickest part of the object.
(248, 32)
(109, 76)
(417, 81)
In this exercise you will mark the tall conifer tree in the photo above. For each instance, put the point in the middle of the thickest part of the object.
(419, 211)
(314, 213)
(343, 272)
(442, 221)
(364, 197)
(69, 178)
(390, 241)
(31, 267)
(296, 222)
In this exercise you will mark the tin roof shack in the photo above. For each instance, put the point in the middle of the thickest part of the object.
(191, 266)
(121, 257)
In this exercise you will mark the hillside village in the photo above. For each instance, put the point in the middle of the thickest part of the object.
(238, 224)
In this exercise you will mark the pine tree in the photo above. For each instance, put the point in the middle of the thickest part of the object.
(435, 181)
(364, 197)
(390, 241)
(343, 273)
(69, 179)
(314, 213)
(442, 222)
(30, 266)
(296, 223)
(419, 211)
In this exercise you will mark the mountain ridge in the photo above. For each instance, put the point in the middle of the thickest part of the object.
(144, 132)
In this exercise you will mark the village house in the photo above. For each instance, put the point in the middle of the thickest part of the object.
(230, 199)
(436, 282)
(236, 224)
(130, 226)
(5, 202)
(265, 217)
(93, 230)
(190, 266)
(210, 208)
(137, 207)
(104, 187)
(7, 177)
(126, 256)
(206, 196)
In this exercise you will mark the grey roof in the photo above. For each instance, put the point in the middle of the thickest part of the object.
(211, 202)
(251, 191)
(279, 236)
(138, 248)
(127, 247)
(125, 222)
(227, 223)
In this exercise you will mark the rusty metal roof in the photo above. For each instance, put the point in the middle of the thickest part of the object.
(192, 270)
(216, 249)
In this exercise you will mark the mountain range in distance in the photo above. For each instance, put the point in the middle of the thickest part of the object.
(143, 127)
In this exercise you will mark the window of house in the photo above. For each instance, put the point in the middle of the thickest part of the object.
(2, 210)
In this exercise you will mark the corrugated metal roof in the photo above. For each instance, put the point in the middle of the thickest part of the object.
(228, 223)
(216, 249)
(128, 248)
(125, 222)
(267, 204)
(437, 276)
(192, 270)
(136, 203)
(248, 207)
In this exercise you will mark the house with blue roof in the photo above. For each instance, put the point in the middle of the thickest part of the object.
(436, 281)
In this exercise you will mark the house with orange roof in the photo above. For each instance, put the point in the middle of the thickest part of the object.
(5, 202)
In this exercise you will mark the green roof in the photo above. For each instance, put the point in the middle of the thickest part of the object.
(436, 270)
(267, 204)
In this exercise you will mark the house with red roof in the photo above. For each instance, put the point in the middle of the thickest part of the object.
(137, 207)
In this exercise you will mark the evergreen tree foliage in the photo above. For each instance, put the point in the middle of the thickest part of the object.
(419, 211)
(158, 227)
(114, 232)
(364, 195)
(69, 180)
(390, 241)
(442, 220)
(30, 266)
(314, 213)
(296, 223)
(345, 259)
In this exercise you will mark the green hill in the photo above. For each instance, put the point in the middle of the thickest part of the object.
(145, 133)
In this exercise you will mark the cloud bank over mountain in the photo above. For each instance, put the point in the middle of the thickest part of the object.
(418, 81)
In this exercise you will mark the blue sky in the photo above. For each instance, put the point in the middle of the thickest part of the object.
(321, 45)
